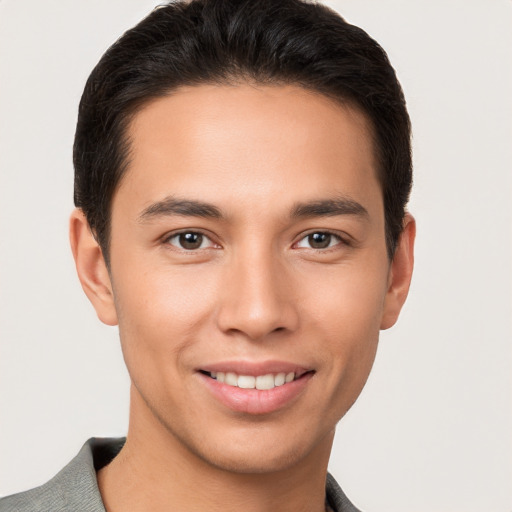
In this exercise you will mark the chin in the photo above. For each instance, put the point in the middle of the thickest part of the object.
(259, 453)
(251, 461)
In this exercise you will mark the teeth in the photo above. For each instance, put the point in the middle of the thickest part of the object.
(246, 382)
(261, 382)
(265, 381)
(231, 379)
(279, 379)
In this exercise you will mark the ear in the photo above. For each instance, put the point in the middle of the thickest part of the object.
(400, 274)
(91, 268)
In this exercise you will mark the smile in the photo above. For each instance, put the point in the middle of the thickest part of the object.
(256, 388)
(261, 382)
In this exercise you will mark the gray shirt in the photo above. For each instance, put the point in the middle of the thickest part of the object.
(75, 488)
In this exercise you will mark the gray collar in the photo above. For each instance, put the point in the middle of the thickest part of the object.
(75, 487)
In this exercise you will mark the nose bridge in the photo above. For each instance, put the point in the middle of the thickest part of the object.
(258, 298)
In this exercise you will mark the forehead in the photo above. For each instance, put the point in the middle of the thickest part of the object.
(258, 142)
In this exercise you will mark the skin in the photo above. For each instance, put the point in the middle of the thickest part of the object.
(255, 290)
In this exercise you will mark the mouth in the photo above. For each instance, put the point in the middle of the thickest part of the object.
(260, 382)
(256, 389)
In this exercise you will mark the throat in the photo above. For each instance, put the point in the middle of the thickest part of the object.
(133, 484)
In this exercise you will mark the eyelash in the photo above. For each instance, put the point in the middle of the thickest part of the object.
(340, 240)
(176, 235)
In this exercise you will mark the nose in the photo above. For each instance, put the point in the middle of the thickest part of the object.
(258, 297)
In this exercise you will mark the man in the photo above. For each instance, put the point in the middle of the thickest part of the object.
(241, 175)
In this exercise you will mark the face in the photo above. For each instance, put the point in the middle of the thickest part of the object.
(249, 271)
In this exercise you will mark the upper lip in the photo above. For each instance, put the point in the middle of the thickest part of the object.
(255, 368)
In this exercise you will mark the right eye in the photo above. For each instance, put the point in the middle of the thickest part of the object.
(320, 240)
(190, 241)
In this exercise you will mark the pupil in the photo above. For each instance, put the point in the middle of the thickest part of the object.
(191, 240)
(319, 240)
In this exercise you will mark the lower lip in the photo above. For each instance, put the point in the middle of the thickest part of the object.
(255, 401)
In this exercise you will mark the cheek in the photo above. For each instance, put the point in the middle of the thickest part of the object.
(348, 301)
(161, 310)
(347, 316)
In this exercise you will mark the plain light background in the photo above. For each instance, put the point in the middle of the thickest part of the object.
(432, 430)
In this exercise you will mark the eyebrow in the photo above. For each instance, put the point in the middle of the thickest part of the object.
(192, 208)
(185, 207)
(329, 208)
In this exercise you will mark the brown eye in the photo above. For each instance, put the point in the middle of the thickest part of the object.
(190, 241)
(319, 240)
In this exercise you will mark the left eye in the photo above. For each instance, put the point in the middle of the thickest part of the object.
(190, 241)
(319, 240)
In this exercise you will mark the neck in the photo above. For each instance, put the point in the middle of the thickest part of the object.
(155, 471)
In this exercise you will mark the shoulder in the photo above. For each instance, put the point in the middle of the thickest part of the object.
(336, 498)
(74, 488)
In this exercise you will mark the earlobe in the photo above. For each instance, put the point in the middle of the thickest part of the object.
(91, 268)
(400, 274)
